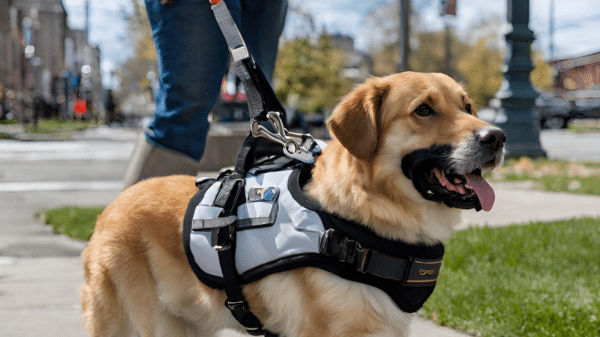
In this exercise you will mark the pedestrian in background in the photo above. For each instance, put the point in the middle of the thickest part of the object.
(192, 60)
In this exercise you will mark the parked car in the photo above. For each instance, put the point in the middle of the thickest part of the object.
(588, 108)
(554, 112)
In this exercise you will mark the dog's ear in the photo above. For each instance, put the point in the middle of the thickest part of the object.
(355, 121)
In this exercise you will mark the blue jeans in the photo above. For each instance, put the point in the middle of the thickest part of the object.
(193, 58)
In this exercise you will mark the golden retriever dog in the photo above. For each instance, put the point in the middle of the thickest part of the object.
(138, 281)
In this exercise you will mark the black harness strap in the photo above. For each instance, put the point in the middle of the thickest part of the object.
(223, 238)
(410, 271)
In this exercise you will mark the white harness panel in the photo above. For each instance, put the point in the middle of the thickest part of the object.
(296, 230)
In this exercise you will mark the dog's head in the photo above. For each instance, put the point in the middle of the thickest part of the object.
(421, 127)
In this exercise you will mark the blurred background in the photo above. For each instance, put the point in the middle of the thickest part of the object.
(95, 61)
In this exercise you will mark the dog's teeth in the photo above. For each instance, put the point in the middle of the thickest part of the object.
(441, 177)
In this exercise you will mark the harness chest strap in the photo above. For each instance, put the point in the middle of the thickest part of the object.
(410, 271)
(223, 241)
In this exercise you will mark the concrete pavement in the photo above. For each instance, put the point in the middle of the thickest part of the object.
(40, 272)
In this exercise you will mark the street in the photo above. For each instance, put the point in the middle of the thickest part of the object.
(37, 175)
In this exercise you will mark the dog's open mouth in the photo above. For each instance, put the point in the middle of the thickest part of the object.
(468, 185)
(436, 180)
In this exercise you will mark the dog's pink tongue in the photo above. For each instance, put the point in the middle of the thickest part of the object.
(484, 191)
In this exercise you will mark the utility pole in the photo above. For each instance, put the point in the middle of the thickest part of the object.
(551, 31)
(447, 9)
(87, 20)
(517, 94)
(404, 35)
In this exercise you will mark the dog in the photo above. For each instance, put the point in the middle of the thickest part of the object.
(138, 281)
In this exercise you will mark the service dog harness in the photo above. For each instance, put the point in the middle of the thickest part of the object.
(242, 227)
(254, 220)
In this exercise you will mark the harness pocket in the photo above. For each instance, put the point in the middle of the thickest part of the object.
(261, 209)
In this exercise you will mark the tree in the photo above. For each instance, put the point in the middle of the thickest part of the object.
(133, 73)
(309, 73)
(481, 68)
(541, 76)
(476, 57)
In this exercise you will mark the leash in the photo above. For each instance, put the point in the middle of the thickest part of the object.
(264, 107)
(263, 104)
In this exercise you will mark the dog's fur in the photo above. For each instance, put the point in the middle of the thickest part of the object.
(139, 283)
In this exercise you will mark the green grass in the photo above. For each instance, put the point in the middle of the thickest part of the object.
(583, 128)
(4, 135)
(553, 176)
(57, 125)
(75, 222)
(540, 279)
(7, 122)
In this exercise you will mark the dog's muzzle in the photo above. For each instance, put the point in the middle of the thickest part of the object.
(452, 175)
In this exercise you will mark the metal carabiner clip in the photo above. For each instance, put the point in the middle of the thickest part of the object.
(302, 147)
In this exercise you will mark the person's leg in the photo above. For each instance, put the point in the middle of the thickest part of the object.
(192, 58)
(261, 26)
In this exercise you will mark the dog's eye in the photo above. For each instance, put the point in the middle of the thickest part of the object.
(424, 110)
(468, 107)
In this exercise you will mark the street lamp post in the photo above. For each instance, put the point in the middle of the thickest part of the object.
(517, 94)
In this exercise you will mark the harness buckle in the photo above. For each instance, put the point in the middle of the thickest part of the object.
(302, 147)
(345, 250)
(221, 237)
(242, 313)
(362, 259)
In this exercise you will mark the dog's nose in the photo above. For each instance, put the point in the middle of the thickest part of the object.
(491, 137)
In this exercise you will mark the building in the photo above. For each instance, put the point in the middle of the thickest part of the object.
(579, 77)
(358, 64)
(44, 61)
(11, 45)
(44, 26)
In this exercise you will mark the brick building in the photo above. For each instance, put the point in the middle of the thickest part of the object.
(579, 77)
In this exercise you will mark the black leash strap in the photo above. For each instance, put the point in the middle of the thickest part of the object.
(261, 97)
(263, 104)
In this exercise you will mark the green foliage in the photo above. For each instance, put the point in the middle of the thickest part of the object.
(477, 65)
(481, 66)
(75, 222)
(540, 279)
(133, 71)
(541, 76)
(310, 73)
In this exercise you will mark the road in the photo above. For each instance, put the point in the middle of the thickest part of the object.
(37, 175)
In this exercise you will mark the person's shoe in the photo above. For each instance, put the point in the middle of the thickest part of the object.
(149, 160)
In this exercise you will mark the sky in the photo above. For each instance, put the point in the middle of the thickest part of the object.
(577, 23)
